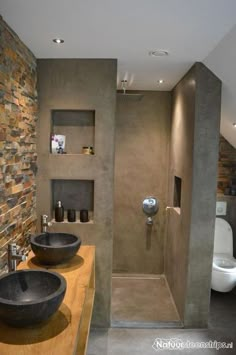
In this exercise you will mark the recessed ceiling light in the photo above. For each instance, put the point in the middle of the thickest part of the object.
(158, 53)
(58, 40)
(160, 81)
(234, 124)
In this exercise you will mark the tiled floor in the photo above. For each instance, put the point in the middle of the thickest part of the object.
(142, 299)
(127, 341)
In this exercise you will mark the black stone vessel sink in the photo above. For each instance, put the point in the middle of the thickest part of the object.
(54, 248)
(28, 297)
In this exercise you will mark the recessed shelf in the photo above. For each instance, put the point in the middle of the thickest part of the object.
(78, 127)
(74, 194)
(177, 191)
(72, 154)
(91, 221)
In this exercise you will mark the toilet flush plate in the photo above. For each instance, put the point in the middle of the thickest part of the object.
(221, 207)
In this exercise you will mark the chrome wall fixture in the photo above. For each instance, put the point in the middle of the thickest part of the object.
(150, 208)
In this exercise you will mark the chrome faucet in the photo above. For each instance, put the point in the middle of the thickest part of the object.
(150, 208)
(14, 254)
(44, 223)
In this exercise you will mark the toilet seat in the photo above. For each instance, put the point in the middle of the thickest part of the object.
(224, 263)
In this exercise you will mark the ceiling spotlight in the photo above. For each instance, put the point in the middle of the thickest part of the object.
(160, 81)
(158, 53)
(58, 40)
(234, 124)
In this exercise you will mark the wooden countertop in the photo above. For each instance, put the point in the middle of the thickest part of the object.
(66, 332)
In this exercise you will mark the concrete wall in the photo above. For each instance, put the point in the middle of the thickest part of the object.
(193, 158)
(18, 114)
(141, 169)
(82, 85)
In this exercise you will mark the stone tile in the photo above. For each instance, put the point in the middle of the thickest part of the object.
(18, 106)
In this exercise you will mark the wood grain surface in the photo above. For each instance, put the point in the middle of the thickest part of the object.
(66, 332)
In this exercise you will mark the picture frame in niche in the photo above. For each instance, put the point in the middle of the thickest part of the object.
(58, 143)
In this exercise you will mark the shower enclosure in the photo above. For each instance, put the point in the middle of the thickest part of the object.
(166, 147)
(140, 291)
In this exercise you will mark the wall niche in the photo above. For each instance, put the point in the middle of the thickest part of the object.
(78, 127)
(74, 194)
(177, 191)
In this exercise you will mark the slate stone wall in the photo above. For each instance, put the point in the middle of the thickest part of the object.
(18, 114)
(226, 168)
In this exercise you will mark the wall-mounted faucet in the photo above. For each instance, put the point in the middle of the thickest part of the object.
(14, 253)
(44, 223)
(150, 208)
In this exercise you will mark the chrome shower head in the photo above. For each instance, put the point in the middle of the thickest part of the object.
(128, 95)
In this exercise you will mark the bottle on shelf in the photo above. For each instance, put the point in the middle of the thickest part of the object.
(59, 212)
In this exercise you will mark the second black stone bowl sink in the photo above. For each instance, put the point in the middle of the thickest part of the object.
(28, 297)
(54, 248)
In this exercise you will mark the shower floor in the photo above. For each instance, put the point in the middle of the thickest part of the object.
(142, 301)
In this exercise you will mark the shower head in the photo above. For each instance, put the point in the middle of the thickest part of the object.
(128, 95)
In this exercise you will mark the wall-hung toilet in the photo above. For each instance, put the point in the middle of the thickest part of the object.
(224, 264)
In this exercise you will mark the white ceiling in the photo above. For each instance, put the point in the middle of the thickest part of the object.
(191, 30)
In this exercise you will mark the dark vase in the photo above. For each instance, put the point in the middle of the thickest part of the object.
(84, 216)
(71, 215)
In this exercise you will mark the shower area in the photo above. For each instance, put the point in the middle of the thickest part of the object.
(166, 151)
(140, 291)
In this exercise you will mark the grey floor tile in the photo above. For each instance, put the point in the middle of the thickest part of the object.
(127, 341)
(140, 341)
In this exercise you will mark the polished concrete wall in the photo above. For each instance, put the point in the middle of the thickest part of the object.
(193, 158)
(141, 169)
(81, 84)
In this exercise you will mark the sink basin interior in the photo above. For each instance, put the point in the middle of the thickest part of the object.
(28, 297)
(29, 286)
(54, 248)
(55, 239)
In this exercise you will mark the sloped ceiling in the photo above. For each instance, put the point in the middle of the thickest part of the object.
(222, 61)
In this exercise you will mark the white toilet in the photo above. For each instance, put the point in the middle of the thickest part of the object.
(224, 264)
